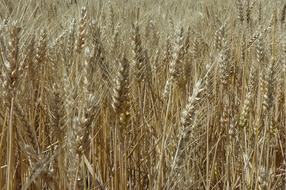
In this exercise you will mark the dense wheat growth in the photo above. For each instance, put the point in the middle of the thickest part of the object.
(129, 94)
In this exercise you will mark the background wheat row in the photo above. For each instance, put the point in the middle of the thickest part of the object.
(142, 94)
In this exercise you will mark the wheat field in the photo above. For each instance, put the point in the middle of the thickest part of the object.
(142, 94)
